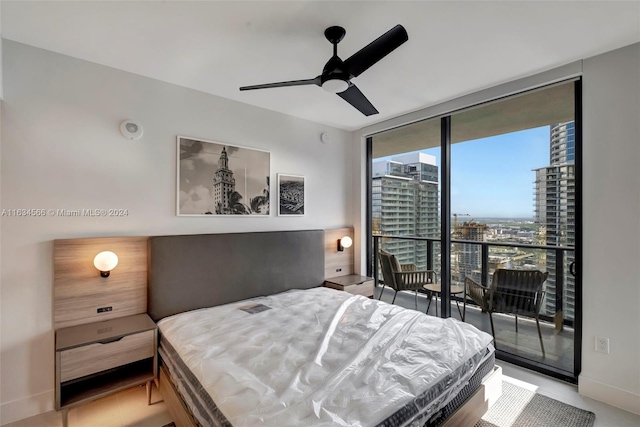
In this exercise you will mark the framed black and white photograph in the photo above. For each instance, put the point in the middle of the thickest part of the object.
(290, 195)
(222, 179)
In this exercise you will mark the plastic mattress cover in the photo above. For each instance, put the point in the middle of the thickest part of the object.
(322, 357)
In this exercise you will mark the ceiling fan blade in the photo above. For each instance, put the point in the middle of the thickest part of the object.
(315, 81)
(356, 98)
(376, 50)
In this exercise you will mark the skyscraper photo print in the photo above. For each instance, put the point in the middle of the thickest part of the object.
(222, 179)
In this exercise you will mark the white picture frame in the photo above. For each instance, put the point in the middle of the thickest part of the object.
(218, 179)
(291, 195)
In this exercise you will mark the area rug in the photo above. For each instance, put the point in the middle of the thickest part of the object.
(519, 407)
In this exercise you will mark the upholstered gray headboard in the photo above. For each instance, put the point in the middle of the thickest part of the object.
(205, 270)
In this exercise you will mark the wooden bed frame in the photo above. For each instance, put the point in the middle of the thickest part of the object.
(479, 403)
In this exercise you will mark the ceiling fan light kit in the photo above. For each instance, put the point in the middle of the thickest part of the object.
(337, 74)
(335, 85)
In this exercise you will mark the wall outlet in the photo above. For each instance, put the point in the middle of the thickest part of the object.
(602, 345)
(338, 270)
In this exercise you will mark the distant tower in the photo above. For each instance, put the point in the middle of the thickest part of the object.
(470, 255)
(555, 210)
(223, 183)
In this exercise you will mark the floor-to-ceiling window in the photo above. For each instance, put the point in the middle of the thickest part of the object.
(511, 203)
(405, 193)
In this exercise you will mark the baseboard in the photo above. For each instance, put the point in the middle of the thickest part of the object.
(17, 410)
(608, 394)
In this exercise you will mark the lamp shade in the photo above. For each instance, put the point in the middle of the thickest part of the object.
(346, 242)
(105, 261)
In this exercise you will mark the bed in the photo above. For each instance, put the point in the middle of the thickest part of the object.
(248, 337)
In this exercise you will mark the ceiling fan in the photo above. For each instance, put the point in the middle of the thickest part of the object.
(337, 74)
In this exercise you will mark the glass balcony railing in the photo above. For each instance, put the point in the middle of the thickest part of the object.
(478, 260)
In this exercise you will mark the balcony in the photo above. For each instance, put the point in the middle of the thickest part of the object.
(524, 343)
(557, 308)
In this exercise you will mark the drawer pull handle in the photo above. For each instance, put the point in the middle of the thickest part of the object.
(110, 341)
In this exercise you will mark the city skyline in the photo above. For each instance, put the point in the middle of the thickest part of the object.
(486, 171)
(494, 177)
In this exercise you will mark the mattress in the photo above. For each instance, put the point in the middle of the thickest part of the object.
(207, 413)
(319, 357)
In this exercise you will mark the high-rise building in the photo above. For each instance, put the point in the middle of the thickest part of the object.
(555, 212)
(223, 184)
(405, 203)
(468, 262)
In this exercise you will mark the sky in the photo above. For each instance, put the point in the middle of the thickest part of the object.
(493, 177)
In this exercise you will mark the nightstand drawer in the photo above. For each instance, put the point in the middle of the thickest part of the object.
(92, 358)
(357, 285)
(365, 289)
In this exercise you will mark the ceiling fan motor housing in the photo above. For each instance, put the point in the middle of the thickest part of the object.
(334, 78)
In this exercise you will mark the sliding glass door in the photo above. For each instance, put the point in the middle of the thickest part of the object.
(405, 194)
(492, 188)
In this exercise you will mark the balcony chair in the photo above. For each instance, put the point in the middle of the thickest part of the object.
(403, 277)
(517, 292)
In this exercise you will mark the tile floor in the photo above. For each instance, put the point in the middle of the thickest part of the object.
(524, 343)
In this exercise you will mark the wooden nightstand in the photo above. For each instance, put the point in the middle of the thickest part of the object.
(354, 284)
(97, 359)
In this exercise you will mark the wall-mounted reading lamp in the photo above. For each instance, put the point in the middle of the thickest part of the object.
(105, 262)
(345, 242)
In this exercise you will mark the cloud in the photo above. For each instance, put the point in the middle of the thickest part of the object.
(188, 164)
(198, 200)
(208, 158)
(189, 148)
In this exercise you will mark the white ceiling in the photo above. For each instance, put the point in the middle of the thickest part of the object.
(454, 48)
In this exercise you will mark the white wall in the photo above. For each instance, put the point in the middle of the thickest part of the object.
(0, 227)
(61, 148)
(611, 270)
(1, 85)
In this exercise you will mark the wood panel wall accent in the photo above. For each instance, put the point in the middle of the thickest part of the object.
(78, 289)
(337, 263)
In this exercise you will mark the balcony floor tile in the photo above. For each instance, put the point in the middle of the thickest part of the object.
(524, 343)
